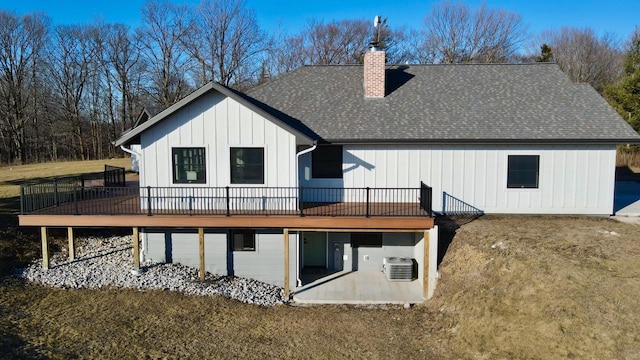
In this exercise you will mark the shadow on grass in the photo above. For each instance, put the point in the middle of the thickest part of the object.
(447, 227)
(12, 345)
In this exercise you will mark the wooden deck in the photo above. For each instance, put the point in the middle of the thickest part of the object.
(239, 221)
(126, 211)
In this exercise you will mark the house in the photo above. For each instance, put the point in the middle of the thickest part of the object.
(332, 172)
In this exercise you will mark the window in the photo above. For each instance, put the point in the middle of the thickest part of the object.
(189, 166)
(326, 162)
(243, 240)
(522, 171)
(366, 239)
(247, 165)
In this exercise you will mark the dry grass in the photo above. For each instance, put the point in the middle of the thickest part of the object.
(628, 157)
(512, 287)
(12, 176)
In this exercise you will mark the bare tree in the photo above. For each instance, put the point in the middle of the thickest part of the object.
(320, 43)
(22, 40)
(124, 69)
(73, 53)
(585, 56)
(226, 42)
(164, 27)
(455, 33)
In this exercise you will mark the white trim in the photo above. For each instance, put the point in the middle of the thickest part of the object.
(265, 152)
(206, 163)
(506, 175)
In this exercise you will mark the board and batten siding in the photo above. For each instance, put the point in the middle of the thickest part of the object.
(181, 246)
(216, 122)
(573, 179)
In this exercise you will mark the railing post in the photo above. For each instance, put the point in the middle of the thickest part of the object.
(430, 200)
(22, 199)
(301, 202)
(228, 202)
(75, 199)
(82, 184)
(55, 191)
(444, 202)
(149, 201)
(368, 190)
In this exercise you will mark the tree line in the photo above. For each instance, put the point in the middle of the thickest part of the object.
(68, 91)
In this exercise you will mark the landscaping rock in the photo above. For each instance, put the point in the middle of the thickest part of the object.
(106, 262)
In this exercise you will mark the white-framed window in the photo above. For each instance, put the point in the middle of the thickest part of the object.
(247, 165)
(523, 171)
(189, 165)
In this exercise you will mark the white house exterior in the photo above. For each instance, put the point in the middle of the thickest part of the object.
(518, 139)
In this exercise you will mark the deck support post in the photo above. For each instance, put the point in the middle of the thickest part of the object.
(201, 245)
(45, 248)
(286, 263)
(425, 265)
(72, 245)
(136, 248)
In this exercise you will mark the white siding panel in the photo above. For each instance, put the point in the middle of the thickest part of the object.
(576, 179)
(217, 123)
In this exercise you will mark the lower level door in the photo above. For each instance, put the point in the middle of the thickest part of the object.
(315, 249)
(338, 256)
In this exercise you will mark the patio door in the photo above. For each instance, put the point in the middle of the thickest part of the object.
(315, 249)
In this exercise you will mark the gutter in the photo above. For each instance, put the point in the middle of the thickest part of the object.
(305, 151)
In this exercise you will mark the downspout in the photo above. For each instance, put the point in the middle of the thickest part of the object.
(305, 151)
(129, 151)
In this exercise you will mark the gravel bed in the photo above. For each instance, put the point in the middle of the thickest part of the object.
(107, 262)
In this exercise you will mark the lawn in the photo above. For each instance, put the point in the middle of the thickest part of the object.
(526, 287)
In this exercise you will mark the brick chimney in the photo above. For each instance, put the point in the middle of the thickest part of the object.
(374, 73)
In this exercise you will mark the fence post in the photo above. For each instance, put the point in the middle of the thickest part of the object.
(22, 199)
(55, 191)
(75, 199)
(228, 202)
(149, 201)
(368, 190)
(301, 202)
(444, 202)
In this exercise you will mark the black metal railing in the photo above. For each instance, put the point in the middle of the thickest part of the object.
(72, 199)
(454, 206)
(426, 198)
(114, 176)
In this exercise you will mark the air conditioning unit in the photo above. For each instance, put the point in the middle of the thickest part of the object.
(398, 268)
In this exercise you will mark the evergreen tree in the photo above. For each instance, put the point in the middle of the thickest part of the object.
(624, 95)
(546, 55)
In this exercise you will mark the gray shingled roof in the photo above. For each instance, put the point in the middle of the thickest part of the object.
(453, 103)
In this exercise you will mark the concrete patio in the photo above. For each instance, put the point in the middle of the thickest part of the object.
(358, 287)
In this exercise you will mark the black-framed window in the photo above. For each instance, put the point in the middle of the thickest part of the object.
(189, 165)
(523, 171)
(366, 239)
(243, 240)
(326, 162)
(247, 165)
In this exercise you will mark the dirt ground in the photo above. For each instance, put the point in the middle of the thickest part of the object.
(525, 287)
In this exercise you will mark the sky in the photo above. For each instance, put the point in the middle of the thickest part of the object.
(619, 17)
